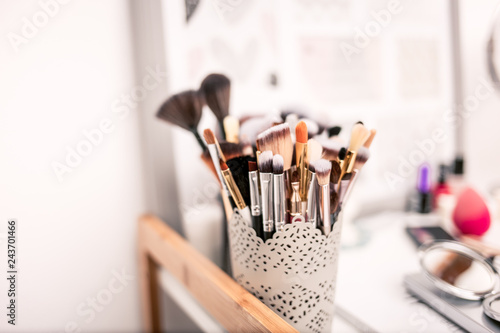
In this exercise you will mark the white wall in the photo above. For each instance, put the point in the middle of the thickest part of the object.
(72, 234)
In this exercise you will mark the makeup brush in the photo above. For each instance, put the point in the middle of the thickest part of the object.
(335, 173)
(255, 206)
(312, 127)
(330, 150)
(300, 156)
(184, 110)
(217, 89)
(314, 151)
(359, 135)
(265, 163)
(215, 154)
(279, 193)
(232, 129)
(254, 126)
(369, 141)
(311, 196)
(323, 168)
(235, 193)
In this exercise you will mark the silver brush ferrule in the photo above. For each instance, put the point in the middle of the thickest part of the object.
(311, 199)
(324, 222)
(279, 202)
(266, 186)
(255, 207)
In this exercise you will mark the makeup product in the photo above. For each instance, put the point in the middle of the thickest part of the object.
(311, 196)
(359, 135)
(441, 188)
(255, 206)
(323, 168)
(279, 193)
(424, 190)
(471, 215)
(232, 129)
(265, 163)
(216, 89)
(235, 193)
(300, 156)
(184, 110)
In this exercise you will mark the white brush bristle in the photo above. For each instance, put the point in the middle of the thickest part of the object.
(359, 135)
(314, 150)
(266, 161)
(323, 169)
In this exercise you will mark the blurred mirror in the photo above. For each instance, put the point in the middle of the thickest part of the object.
(458, 270)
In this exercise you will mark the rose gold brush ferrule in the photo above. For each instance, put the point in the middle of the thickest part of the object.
(233, 189)
(323, 218)
(295, 202)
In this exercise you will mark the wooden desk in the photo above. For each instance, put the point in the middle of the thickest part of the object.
(230, 304)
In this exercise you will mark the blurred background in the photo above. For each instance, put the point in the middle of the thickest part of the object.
(83, 155)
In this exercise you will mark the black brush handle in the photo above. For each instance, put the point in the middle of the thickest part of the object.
(200, 140)
(257, 225)
(268, 235)
(222, 130)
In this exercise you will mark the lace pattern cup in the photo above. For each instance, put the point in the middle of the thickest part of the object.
(294, 273)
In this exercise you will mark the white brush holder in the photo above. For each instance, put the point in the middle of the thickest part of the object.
(294, 273)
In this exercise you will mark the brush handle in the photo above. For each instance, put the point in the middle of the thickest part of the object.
(257, 225)
(222, 130)
(268, 235)
(200, 140)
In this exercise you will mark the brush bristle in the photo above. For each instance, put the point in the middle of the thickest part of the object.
(369, 141)
(277, 164)
(232, 129)
(182, 109)
(334, 131)
(266, 162)
(314, 151)
(313, 128)
(342, 153)
(335, 173)
(252, 166)
(311, 167)
(331, 149)
(359, 135)
(361, 157)
(231, 150)
(278, 140)
(295, 177)
(323, 169)
(223, 165)
(217, 89)
(301, 132)
(209, 136)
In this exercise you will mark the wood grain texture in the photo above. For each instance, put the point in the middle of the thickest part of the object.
(231, 305)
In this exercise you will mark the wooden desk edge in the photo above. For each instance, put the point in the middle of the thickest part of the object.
(229, 303)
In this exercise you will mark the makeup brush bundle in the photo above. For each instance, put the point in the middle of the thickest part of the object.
(274, 170)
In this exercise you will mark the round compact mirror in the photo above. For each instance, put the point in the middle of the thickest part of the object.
(462, 272)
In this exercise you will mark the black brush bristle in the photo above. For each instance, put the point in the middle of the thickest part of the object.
(184, 110)
(239, 169)
(334, 131)
(342, 153)
(216, 89)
